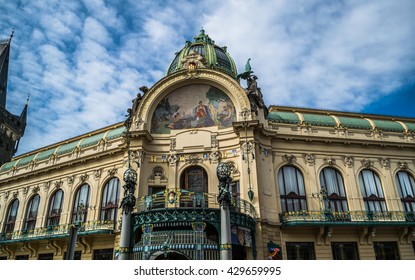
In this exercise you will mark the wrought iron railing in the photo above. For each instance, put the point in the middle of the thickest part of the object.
(180, 198)
(347, 217)
(56, 231)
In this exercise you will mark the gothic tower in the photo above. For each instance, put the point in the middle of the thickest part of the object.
(12, 126)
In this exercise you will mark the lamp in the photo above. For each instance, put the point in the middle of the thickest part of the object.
(247, 150)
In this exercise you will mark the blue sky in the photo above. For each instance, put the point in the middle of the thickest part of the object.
(82, 62)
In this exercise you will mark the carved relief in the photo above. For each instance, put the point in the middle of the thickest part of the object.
(172, 159)
(194, 159)
(402, 165)
(58, 184)
(172, 144)
(70, 179)
(385, 162)
(83, 178)
(215, 156)
(348, 161)
(35, 189)
(290, 159)
(330, 161)
(112, 172)
(309, 158)
(97, 173)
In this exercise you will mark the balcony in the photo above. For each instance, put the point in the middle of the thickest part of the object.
(189, 223)
(58, 231)
(351, 218)
(182, 205)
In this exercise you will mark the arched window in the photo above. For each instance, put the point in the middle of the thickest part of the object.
(332, 181)
(292, 191)
(406, 188)
(11, 216)
(110, 198)
(31, 213)
(81, 203)
(55, 209)
(371, 189)
(194, 179)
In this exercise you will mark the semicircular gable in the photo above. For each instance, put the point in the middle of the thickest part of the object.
(177, 102)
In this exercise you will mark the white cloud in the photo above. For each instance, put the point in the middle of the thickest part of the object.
(83, 62)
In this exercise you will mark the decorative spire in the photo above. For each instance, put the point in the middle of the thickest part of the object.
(23, 115)
(203, 38)
(4, 68)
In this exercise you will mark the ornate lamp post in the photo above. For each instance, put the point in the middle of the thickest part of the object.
(73, 232)
(128, 202)
(247, 148)
(223, 172)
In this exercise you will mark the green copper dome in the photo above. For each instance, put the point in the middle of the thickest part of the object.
(215, 57)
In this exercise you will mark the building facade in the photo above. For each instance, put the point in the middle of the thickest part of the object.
(304, 184)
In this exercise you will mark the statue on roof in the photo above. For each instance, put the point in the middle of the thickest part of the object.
(253, 91)
(247, 71)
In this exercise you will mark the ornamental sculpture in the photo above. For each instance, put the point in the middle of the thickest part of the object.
(223, 172)
(130, 179)
(253, 91)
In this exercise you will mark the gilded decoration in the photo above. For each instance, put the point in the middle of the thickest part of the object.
(193, 106)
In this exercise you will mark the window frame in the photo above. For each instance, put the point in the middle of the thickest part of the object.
(108, 211)
(335, 199)
(408, 201)
(53, 219)
(11, 220)
(31, 213)
(372, 200)
(292, 196)
(76, 210)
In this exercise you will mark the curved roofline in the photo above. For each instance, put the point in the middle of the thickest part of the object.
(69, 140)
(344, 113)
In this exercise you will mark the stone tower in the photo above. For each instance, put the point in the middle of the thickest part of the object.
(12, 126)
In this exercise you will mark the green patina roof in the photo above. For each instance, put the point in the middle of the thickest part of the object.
(388, 125)
(411, 126)
(283, 117)
(26, 160)
(8, 165)
(358, 123)
(118, 132)
(66, 148)
(45, 154)
(214, 56)
(319, 120)
(93, 140)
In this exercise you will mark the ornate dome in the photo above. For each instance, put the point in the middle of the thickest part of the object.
(214, 57)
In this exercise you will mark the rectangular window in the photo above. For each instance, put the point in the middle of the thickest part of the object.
(386, 250)
(104, 254)
(3, 258)
(300, 251)
(22, 257)
(48, 256)
(344, 251)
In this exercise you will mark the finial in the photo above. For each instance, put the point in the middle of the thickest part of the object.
(202, 31)
(11, 35)
(27, 100)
